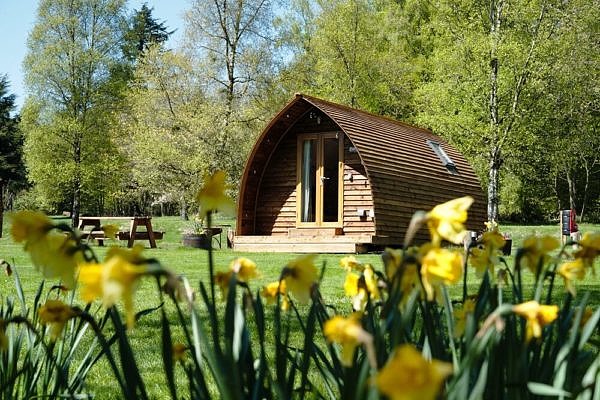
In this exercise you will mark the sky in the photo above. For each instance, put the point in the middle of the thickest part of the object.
(17, 18)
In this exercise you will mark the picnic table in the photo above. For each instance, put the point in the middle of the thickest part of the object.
(131, 236)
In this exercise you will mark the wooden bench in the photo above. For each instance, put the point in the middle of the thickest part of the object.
(135, 221)
(95, 234)
(125, 235)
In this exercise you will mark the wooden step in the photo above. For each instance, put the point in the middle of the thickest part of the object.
(301, 244)
(314, 232)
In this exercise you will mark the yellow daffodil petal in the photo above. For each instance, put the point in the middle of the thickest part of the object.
(440, 266)
(113, 280)
(588, 248)
(56, 314)
(570, 271)
(348, 333)
(371, 282)
(537, 317)
(446, 221)
(212, 196)
(244, 268)
(351, 284)
(91, 281)
(300, 275)
(536, 249)
(409, 376)
(29, 225)
(351, 263)
(222, 281)
(272, 290)
(110, 230)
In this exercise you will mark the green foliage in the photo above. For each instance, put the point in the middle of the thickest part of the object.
(168, 148)
(11, 141)
(144, 32)
(12, 168)
(232, 48)
(70, 53)
(239, 347)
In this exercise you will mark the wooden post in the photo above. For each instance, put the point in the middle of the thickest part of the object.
(148, 223)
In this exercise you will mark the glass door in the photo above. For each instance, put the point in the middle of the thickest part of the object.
(319, 180)
(330, 179)
(308, 180)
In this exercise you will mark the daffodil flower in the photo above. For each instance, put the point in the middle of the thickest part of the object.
(53, 253)
(440, 267)
(29, 225)
(487, 255)
(362, 287)
(212, 197)
(460, 316)
(272, 290)
(446, 221)
(113, 280)
(409, 376)
(300, 275)
(244, 268)
(537, 316)
(570, 271)
(351, 263)
(403, 264)
(535, 251)
(222, 281)
(56, 314)
(349, 333)
(588, 248)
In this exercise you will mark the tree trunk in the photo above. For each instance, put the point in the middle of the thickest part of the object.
(494, 185)
(556, 193)
(76, 205)
(586, 165)
(495, 161)
(572, 189)
(1, 207)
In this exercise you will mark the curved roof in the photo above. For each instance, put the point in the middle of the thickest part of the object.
(404, 171)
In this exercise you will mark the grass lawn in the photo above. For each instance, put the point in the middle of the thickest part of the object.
(193, 263)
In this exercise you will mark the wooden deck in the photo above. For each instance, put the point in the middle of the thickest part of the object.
(303, 244)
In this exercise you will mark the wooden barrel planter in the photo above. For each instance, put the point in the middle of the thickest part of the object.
(196, 240)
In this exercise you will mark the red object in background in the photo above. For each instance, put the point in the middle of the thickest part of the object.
(573, 222)
(568, 222)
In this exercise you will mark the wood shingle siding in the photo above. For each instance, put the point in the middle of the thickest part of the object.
(389, 172)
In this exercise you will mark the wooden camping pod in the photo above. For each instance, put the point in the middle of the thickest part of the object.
(387, 171)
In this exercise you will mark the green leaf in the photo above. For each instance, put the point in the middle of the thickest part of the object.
(479, 388)
(591, 376)
(589, 328)
(541, 389)
(167, 353)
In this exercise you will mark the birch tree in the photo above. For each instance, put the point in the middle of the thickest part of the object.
(70, 52)
(481, 70)
(233, 43)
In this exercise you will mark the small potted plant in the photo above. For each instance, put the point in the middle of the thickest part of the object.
(196, 236)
